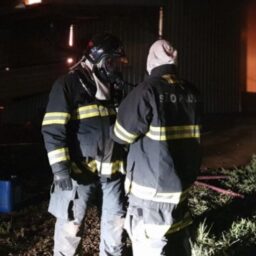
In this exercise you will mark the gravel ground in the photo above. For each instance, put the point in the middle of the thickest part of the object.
(32, 228)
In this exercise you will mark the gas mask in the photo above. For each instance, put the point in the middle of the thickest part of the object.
(106, 54)
(108, 70)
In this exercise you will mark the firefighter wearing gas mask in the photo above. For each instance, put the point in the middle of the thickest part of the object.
(82, 156)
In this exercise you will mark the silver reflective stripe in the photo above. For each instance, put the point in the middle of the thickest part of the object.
(156, 229)
(56, 118)
(92, 111)
(110, 168)
(173, 132)
(123, 134)
(58, 155)
(148, 193)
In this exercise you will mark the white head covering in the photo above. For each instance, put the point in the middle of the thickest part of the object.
(160, 53)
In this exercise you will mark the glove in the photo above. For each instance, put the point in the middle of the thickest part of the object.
(63, 180)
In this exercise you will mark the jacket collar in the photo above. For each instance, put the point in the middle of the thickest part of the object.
(163, 69)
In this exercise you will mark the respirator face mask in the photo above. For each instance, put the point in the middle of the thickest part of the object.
(108, 70)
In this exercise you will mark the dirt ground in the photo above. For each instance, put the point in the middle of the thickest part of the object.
(228, 141)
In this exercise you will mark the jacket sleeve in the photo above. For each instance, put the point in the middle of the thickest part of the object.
(134, 115)
(54, 127)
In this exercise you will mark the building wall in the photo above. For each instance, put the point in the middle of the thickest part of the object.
(137, 34)
(43, 49)
(207, 34)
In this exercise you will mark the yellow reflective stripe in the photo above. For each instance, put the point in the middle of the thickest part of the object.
(121, 167)
(92, 165)
(123, 134)
(90, 107)
(118, 166)
(180, 225)
(92, 111)
(58, 155)
(173, 132)
(171, 79)
(110, 168)
(56, 118)
(148, 193)
(106, 111)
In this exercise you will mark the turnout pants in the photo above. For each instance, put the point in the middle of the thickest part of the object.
(69, 207)
(156, 229)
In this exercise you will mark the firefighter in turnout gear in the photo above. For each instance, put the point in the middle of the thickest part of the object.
(160, 120)
(83, 157)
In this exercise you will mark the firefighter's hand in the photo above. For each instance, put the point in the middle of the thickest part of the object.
(63, 180)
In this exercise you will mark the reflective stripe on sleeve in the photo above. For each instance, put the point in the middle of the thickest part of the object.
(173, 132)
(123, 134)
(58, 155)
(56, 118)
(93, 111)
(148, 193)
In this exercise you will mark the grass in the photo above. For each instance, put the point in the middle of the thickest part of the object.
(226, 225)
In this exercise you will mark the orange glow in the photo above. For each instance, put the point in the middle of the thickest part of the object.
(71, 35)
(30, 2)
(160, 23)
(251, 48)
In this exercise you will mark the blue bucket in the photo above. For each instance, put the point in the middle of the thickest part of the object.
(10, 195)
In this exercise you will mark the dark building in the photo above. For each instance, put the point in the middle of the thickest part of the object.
(215, 44)
(39, 42)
